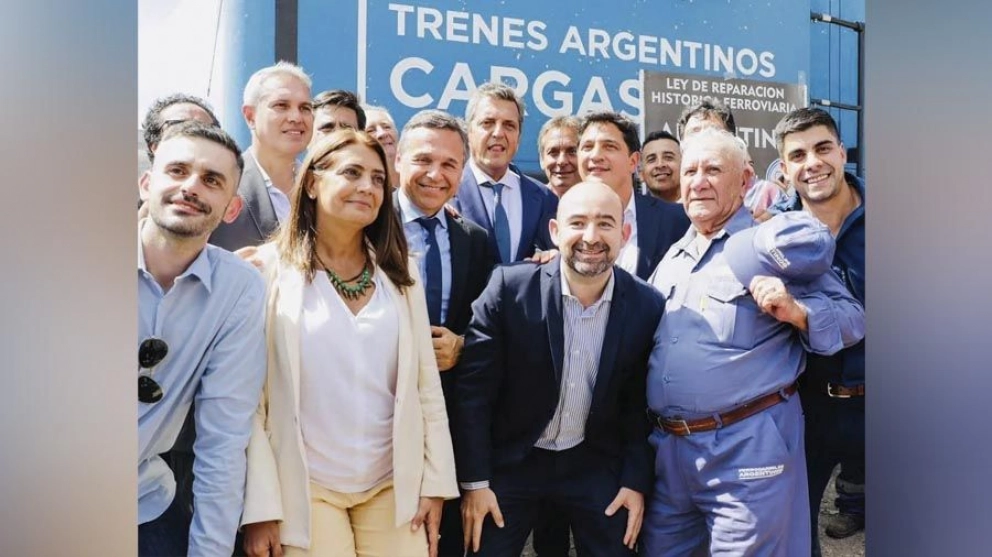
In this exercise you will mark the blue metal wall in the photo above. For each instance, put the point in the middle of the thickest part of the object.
(834, 64)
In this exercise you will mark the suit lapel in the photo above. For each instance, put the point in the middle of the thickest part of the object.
(257, 202)
(530, 198)
(470, 201)
(473, 208)
(551, 300)
(407, 362)
(612, 338)
(459, 240)
(647, 235)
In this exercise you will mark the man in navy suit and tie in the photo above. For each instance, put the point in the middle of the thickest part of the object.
(513, 208)
(551, 390)
(609, 151)
(454, 255)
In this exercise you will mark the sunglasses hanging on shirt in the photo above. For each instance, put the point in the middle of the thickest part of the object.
(151, 353)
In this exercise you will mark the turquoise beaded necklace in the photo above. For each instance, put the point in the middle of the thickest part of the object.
(364, 281)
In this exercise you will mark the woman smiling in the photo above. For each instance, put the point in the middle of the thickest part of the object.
(351, 453)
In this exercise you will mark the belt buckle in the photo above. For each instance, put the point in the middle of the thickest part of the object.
(831, 394)
(684, 424)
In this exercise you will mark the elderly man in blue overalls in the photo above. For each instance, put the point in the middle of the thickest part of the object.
(743, 305)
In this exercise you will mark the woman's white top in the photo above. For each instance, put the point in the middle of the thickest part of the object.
(347, 386)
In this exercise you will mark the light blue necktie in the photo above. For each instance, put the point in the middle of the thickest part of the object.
(501, 224)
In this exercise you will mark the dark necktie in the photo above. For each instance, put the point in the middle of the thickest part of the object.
(501, 224)
(433, 268)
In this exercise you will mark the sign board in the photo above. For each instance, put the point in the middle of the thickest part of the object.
(561, 57)
(757, 106)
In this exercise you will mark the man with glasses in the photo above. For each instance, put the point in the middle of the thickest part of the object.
(201, 338)
(171, 110)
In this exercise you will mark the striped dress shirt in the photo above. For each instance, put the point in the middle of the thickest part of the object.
(584, 332)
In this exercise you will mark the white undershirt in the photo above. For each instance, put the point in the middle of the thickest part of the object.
(627, 260)
(347, 386)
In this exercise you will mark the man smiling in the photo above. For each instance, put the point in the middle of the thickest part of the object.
(279, 113)
(609, 150)
(550, 390)
(453, 253)
(200, 321)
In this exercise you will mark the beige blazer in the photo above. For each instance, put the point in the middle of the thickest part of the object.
(278, 482)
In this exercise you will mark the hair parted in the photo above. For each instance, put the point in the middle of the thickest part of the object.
(344, 99)
(385, 242)
(435, 120)
(627, 127)
(497, 91)
(800, 120)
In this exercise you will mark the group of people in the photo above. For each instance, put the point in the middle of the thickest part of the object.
(403, 345)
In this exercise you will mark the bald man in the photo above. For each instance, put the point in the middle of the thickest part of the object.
(551, 384)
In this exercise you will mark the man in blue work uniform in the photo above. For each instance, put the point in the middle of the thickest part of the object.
(743, 305)
(833, 387)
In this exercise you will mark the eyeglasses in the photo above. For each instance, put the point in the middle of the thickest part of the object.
(151, 353)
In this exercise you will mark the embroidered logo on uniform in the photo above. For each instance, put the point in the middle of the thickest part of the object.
(779, 258)
(759, 473)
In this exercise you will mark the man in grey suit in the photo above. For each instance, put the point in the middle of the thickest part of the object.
(454, 254)
(278, 110)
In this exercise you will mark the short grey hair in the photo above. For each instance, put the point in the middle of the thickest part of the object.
(558, 122)
(370, 107)
(497, 91)
(719, 139)
(256, 83)
(435, 120)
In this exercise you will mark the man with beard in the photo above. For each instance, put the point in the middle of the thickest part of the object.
(550, 390)
(201, 325)
(513, 208)
(660, 160)
(557, 145)
(609, 150)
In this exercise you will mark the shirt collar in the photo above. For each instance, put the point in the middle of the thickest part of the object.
(631, 210)
(740, 220)
(607, 295)
(265, 175)
(510, 179)
(411, 212)
(199, 268)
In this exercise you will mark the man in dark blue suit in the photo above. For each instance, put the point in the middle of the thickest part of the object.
(513, 208)
(453, 254)
(609, 151)
(551, 390)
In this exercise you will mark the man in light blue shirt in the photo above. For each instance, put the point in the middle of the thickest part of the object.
(743, 305)
(202, 338)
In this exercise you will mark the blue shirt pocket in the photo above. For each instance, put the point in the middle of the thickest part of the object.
(731, 313)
